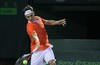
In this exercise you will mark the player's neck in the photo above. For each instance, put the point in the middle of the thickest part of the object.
(33, 19)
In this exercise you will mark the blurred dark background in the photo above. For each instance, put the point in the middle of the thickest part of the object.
(80, 34)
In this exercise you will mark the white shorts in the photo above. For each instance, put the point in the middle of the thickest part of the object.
(38, 57)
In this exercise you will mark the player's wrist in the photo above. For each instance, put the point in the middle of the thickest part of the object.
(36, 48)
(58, 22)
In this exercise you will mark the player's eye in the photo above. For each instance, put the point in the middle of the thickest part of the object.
(29, 16)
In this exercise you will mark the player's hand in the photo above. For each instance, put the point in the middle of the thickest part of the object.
(25, 55)
(36, 48)
(62, 22)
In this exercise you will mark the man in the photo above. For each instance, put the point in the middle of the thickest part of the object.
(39, 39)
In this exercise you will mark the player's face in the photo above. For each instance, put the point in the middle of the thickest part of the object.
(30, 16)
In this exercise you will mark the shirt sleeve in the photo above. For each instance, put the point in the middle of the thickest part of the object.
(43, 20)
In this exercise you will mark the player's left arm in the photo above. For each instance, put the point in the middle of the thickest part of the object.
(54, 22)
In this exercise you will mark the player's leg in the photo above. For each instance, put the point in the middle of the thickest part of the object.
(37, 58)
(49, 56)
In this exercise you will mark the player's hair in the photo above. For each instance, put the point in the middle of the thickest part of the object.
(28, 7)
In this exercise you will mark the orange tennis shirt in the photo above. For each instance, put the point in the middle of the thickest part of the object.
(38, 27)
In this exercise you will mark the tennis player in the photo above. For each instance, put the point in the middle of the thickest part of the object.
(40, 44)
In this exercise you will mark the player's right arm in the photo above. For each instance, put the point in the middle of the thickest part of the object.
(35, 37)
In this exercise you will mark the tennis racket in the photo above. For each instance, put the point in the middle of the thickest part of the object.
(27, 57)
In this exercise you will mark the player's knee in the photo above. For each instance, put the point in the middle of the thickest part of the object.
(52, 62)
